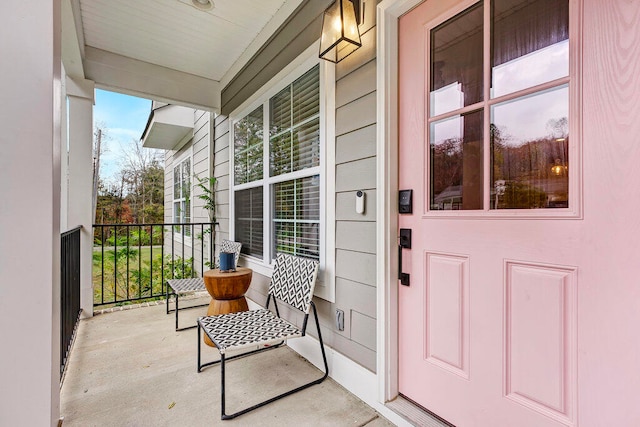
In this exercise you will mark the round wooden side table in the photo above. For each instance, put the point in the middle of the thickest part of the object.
(227, 292)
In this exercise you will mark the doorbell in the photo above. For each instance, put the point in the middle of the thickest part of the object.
(360, 202)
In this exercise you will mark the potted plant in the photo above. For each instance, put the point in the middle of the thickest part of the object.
(207, 185)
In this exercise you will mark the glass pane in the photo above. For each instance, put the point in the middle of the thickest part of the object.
(457, 163)
(280, 111)
(247, 143)
(176, 182)
(285, 237)
(456, 62)
(308, 240)
(280, 154)
(285, 199)
(297, 217)
(186, 179)
(530, 43)
(176, 212)
(306, 145)
(306, 96)
(254, 163)
(308, 198)
(186, 216)
(249, 220)
(530, 152)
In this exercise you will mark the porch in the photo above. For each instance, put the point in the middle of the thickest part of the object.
(129, 367)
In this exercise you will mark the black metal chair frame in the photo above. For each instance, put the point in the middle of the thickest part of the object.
(223, 359)
(176, 296)
(226, 245)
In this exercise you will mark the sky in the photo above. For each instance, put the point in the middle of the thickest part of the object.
(124, 118)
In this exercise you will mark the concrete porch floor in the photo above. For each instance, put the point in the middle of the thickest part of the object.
(130, 368)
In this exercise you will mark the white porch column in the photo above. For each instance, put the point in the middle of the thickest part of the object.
(79, 210)
(30, 212)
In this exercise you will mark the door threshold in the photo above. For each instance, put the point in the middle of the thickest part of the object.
(415, 414)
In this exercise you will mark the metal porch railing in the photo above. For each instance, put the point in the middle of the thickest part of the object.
(131, 262)
(70, 291)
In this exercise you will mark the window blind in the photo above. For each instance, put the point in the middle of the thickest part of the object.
(249, 221)
(294, 125)
(296, 217)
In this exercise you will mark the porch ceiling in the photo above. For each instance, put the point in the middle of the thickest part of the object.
(167, 49)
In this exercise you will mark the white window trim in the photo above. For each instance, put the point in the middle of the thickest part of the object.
(325, 287)
(178, 160)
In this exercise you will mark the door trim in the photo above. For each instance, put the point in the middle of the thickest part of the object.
(388, 12)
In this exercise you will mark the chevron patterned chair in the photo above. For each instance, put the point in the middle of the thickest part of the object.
(178, 287)
(292, 282)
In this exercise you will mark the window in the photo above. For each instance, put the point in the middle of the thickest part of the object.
(499, 123)
(249, 220)
(278, 181)
(182, 196)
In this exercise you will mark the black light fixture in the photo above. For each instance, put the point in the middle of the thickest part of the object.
(340, 34)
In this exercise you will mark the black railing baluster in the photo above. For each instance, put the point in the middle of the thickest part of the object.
(179, 234)
(162, 259)
(151, 260)
(193, 246)
(102, 273)
(115, 263)
(182, 251)
(128, 246)
(173, 256)
(69, 291)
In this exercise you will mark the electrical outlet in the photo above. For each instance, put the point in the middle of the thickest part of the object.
(340, 320)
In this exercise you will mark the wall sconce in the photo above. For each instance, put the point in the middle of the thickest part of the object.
(340, 34)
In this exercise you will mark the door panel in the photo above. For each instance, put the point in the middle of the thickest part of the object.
(487, 328)
(447, 303)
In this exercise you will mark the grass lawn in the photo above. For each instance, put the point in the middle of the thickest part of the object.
(137, 276)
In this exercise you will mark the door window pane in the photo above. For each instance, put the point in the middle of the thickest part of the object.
(530, 43)
(530, 152)
(457, 162)
(456, 62)
(249, 221)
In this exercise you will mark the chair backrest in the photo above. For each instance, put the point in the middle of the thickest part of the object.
(293, 280)
(230, 246)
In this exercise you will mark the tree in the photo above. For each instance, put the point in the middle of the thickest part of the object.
(137, 197)
(143, 181)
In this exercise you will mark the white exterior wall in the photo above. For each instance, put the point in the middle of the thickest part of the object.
(30, 213)
(355, 169)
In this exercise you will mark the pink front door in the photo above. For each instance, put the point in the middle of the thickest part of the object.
(488, 323)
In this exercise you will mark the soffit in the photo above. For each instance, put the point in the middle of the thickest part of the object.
(175, 35)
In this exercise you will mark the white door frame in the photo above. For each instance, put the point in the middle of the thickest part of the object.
(387, 193)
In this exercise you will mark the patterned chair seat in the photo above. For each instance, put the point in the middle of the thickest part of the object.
(178, 287)
(184, 286)
(235, 331)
